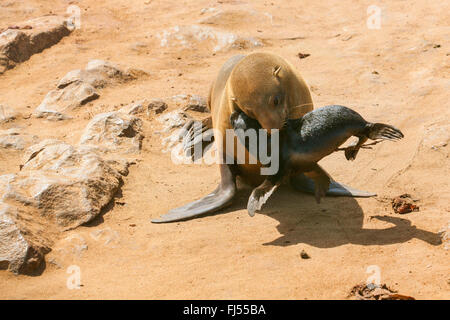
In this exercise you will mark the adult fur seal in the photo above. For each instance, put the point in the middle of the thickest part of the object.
(306, 141)
(267, 88)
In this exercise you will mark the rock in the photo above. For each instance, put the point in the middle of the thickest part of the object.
(7, 114)
(95, 79)
(304, 255)
(174, 119)
(445, 236)
(30, 37)
(114, 132)
(61, 187)
(19, 252)
(437, 135)
(191, 36)
(376, 292)
(191, 102)
(68, 186)
(303, 55)
(13, 246)
(155, 106)
(57, 102)
(14, 139)
(404, 204)
(113, 72)
(78, 87)
(234, 18)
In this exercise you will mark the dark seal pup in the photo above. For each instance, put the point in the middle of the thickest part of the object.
(304, 142)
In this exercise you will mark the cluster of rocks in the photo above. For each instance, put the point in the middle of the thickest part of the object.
(20, 42)
(192, 35)
(78, 87)
(61, 186)
(219, 29)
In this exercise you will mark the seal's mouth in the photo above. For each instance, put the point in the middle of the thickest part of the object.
(273, 123)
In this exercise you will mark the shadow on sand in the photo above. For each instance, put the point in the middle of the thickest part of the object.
(334, 222)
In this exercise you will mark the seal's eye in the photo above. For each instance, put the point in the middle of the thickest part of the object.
(276, 101)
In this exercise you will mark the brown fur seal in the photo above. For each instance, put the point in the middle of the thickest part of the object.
(269, 89)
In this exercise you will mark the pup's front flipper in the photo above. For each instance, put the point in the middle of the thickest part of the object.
(321, 182)
(303, 183)
(218, 199)
(259, 196)
(352, 150)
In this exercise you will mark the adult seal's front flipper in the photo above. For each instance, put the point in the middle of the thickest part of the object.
(302, 183)
(260, 195)
(218, 199)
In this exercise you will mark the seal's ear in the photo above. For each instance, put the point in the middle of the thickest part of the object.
(276, 70)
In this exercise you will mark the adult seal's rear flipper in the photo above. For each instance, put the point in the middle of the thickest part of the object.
(218, 199)
(302, 183)
(214, 201)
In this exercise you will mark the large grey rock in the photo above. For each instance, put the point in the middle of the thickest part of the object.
(60, 187)
(94, 79)
(57, 102)
(67, 185)
(14, 138)
(33, 36)
(13, 246)
(22, 243)
(78, 87)
(114, 132)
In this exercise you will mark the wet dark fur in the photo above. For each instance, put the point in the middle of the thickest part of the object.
(303, 142)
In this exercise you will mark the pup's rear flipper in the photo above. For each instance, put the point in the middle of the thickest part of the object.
(302, 183)
(384, 131)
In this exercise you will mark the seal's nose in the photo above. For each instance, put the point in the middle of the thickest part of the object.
(270, 123)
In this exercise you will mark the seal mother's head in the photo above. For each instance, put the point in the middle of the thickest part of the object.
(263, 87)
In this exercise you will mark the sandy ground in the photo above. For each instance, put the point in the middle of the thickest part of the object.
(399, 74)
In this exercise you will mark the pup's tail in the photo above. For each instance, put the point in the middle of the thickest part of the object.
(384, 132)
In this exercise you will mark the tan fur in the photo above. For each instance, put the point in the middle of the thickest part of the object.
(251, 83)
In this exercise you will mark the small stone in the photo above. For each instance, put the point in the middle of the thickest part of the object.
(304, 255)
(404, 204)
(303, 55)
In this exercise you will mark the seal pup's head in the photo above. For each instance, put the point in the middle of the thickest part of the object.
(258, 90)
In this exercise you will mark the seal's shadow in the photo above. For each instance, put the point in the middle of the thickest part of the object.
(334, 222)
